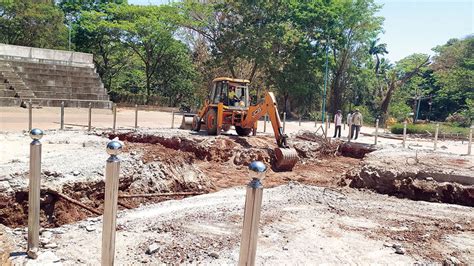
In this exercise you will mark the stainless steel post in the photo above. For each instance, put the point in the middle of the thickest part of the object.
(34, 193)
(172, 119)
(112, 173)
(469, 145)
(435, 145)
(136, 116)
(89, 124)
(62, 116)
(404, 134)
(30, 115)
(265, 124)
(376, 130)
(284, 121)
(253, 205)
(114, 107)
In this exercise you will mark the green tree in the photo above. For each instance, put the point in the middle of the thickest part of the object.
(453, 71)
(32, 23)
(377, 49)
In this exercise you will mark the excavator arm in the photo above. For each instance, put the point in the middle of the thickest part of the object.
(286, 157)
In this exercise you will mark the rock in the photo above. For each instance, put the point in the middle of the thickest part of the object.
(458, 227)
(51, 245)
(400, 238)
(133, 153)
(90, 228)
(214, 254)
(44, 258)
(285, 248)
(76, 173)
(429, 178)
(5, 187)
(44, 240)
(452, 260)
(396, 245)
(400, 251)
(153, 248)
(47, 234)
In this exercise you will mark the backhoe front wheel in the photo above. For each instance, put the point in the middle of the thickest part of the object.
(243, 132)
(211, 122)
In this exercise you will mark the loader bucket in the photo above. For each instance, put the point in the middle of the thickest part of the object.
(187, 122)
(286, 159)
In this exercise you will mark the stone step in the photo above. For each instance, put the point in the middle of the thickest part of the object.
(79, 96)
(80, 82)
(54, 102)
(70, 89)
(7, 93)
(51, 67)
(55, 73)
(10, 101)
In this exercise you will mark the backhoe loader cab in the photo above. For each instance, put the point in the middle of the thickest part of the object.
(228, 105)
(230, 92)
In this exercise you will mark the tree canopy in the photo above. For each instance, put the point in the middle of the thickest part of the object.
(168, 54)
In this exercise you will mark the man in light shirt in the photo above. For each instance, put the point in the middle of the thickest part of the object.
(357, 122)
(337, 123)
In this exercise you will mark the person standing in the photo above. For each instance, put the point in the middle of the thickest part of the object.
(349, 124)
(357, 121)
(337, 123)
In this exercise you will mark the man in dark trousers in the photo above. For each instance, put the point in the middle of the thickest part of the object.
(357, 121)
(337, 123)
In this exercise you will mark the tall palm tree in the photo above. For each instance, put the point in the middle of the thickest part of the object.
(377, 49)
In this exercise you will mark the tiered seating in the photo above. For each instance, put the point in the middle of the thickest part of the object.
(49, 84)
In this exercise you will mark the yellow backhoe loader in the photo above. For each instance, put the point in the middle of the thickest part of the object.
(228, 104)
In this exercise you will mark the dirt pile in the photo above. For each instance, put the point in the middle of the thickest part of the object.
(418, 175)
(216, 149)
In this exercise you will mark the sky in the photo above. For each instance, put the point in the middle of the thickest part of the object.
(414, 26)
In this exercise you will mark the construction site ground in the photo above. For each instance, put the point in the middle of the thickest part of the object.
(329, 209)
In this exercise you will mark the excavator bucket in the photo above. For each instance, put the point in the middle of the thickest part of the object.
(286, 159)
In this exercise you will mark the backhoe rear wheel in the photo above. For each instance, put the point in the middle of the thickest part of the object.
(243, 131)
(211, 122)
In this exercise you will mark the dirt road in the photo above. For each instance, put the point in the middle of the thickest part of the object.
(15, 119)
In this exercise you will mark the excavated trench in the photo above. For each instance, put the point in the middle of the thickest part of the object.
(175, 164)
(423, 176)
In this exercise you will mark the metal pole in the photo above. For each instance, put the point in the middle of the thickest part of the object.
(328, 118)
(436, 137)
(470, 141)
(114, 107)
(136, 116)
(172, 119)
(284, 121)
(89, 124)
(265, 123)
(404, 134)
(253, 205)
(376, 130)
(62, 116)
(325, 82)
(34, 193)
(30, 115)
(112, 172)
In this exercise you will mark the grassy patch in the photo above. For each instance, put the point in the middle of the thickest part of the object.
(425, 128)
